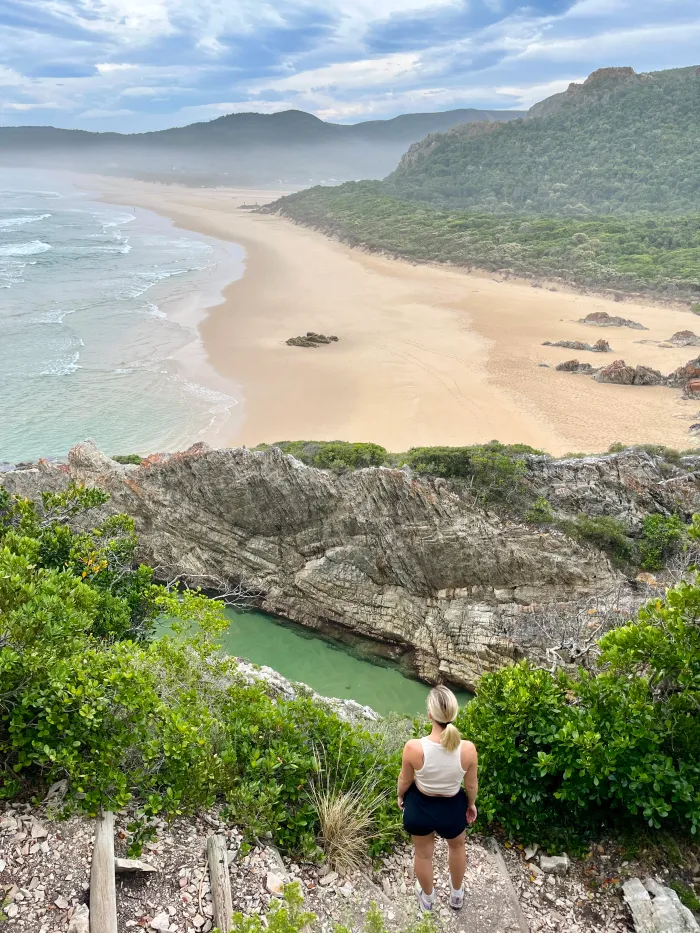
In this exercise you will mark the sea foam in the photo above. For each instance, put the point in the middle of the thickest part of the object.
(20, 221)
(24, 249)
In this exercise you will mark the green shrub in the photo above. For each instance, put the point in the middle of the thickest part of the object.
(604, 532)
(540, 512)
(343, 455)
(562, 753)
(128, 459)
(661, 537)
(495, 471)
(333, 455)
(695, 307)
(285, 916)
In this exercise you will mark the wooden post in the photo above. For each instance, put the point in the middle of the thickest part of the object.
(220, 883)
(103, 893)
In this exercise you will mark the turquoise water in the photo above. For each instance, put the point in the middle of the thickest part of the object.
(329, 668)
(99, 308)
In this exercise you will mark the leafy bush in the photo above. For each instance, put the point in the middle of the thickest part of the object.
(128, 459)
(333, 455)
(343, 455)
(494, 470)
(661, 537)
(285, 916)
(562, 753)
(695, 307)
(604, 532)
(540, 512)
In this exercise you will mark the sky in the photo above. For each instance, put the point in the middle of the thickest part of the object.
(137, 65)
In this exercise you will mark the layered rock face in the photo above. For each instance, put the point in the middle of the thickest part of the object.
(376, 552)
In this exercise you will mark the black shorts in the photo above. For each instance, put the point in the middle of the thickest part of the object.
(423, 815)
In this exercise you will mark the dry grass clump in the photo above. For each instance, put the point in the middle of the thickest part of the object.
(346, 812)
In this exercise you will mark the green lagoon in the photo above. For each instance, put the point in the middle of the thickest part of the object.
(330, 668)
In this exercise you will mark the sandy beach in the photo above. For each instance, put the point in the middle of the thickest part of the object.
(425, 355)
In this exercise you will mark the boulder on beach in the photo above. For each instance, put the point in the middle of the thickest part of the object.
(600, 346)
(646, 376)
(684, 338)
(573, 366)
(603, 319)
(311, 339)
(680, 377)
(619, 373)
(692, 389)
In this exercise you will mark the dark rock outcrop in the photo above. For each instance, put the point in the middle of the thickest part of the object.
(603, 319)
(573, 366)
(311, 339)
(689, 372)
(600, 346)
(684, 338)
(620, 373)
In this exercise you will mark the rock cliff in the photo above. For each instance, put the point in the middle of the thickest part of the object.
(432, 578)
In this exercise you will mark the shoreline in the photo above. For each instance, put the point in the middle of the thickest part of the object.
(427, 354)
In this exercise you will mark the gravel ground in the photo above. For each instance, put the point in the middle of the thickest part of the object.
(45, 869)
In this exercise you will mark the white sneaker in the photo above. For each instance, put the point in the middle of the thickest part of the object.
(425, 903)
(457, 898)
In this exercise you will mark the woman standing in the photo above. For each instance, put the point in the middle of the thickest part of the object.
(433, 799)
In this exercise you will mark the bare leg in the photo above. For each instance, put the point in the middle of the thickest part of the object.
(457, 860)
(423, 861)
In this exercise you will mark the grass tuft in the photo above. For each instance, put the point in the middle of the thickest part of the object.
(346, 813)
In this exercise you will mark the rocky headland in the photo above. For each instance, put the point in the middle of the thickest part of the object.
(451, 588)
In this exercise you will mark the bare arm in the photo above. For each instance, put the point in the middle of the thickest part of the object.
(409, 760)
(470, 763)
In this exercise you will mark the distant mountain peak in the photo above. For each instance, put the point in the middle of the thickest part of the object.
(601, 81)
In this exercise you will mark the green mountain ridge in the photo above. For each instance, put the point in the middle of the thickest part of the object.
(246, 148)
(618, 143)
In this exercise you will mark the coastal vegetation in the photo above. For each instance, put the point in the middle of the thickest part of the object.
(168, 724)
(659, 255)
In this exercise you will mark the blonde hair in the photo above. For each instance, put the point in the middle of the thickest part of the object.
(443, 708)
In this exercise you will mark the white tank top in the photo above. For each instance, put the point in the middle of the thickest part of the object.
(442, 773)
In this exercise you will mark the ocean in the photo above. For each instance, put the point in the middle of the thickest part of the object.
(99, 307)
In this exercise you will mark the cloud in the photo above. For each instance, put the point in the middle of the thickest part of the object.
(9, 77)
(148, 64)
(106, 68)
(357, 74)
(97, 114)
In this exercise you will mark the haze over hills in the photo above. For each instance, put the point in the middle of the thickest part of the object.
(619, 143)
(599, 186)
(291, 147)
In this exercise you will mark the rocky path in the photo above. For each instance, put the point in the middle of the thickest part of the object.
(45, 869)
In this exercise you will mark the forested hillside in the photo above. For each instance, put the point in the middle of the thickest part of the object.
(620, 143)
(658, 255)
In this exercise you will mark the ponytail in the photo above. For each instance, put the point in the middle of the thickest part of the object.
(450, 738)
(443, 708)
